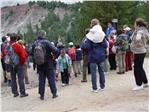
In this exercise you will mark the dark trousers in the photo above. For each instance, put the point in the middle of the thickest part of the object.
(112, 61)
(50, 75)
(3, 65)
(19, 72)
(65, 76)
(139, 73)
(128, 60)
(85, 67)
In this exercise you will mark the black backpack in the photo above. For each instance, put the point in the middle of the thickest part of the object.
(39, 53)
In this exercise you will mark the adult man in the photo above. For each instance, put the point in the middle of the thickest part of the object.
(96, 44)
(46, 69)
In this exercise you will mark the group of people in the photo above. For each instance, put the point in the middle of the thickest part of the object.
(121, 48)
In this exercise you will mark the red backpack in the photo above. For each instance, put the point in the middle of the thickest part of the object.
(71, 53)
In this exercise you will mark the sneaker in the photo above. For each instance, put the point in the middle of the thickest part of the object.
(145, 85)
(55, 96)
(95, 91)
(63, 84)
(17, 94)
(101, 89)
(24, 95)
(137, 88)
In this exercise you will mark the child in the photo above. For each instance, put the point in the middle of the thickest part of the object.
(63, 66)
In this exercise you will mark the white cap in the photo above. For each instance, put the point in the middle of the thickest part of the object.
(127, 29)
(71, 43)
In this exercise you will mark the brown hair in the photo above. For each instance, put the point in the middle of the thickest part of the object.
(140, 22)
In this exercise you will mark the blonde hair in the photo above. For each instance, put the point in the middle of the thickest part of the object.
(94, 22)
(21, 42)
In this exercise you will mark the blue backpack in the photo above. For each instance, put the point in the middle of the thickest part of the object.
(11, 57)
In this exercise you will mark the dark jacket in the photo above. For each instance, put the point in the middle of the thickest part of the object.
(78, 54)
(97, 51)
(50, 49)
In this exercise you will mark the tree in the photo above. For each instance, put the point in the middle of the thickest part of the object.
(126, 12)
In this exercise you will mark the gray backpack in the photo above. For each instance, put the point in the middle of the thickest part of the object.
(39, 54)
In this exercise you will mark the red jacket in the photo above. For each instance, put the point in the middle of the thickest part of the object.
(21, 52)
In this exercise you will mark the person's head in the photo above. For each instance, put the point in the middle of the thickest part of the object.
(3, 38)
(119, 32)
(77, 46)
(126, 29)
(70, 44)
(13, 37)
(139, 22)
(109, 24)
(62, 52)
(42, 33)
(19, 37)
(94, 22)
(8, 34)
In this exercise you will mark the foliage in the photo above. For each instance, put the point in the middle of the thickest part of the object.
(126, 12)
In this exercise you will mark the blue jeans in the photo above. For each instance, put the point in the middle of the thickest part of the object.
(101, 75)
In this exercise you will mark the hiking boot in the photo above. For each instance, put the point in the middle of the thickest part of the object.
(55, 96)
(16, 94)
(5, 80)
(42, 97)
(24, 95)
(75, 74)
(83, 80)
(120, 73)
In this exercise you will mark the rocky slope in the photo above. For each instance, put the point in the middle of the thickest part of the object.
(16, 18)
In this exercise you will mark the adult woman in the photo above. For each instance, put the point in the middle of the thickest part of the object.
(138, 47)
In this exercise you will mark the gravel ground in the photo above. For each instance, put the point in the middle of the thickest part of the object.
(118, 96)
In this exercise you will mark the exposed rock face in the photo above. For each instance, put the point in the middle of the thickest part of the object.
(16, 18)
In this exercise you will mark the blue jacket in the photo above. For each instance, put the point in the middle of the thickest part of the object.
(60, 62)
(97, 51)
(108, 31)
(49, 62)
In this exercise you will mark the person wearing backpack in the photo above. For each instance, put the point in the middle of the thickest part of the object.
(3, 47)
(139, 41)
(42, 50)
(122, 45)
(71, 52)
(18, 66)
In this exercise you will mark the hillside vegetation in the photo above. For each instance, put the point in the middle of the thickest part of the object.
(68, 21)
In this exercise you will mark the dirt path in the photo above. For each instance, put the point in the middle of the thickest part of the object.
(118, 96)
